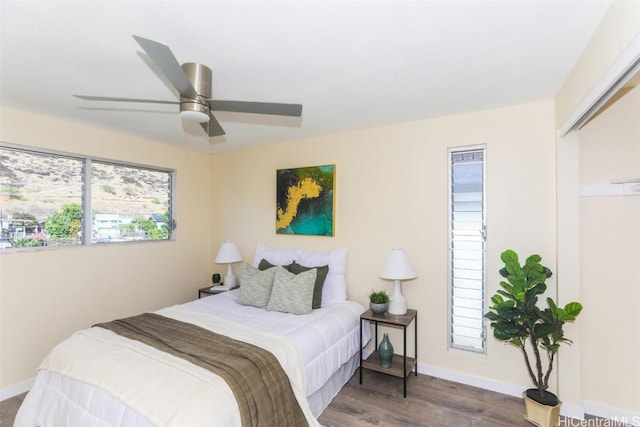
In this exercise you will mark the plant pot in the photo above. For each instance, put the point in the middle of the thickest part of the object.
(540, 414)
(378, 309)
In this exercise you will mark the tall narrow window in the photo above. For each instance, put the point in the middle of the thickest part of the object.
(467, 249)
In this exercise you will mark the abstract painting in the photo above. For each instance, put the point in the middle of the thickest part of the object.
(305, 200)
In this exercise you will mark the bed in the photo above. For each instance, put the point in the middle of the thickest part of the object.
(99, 377)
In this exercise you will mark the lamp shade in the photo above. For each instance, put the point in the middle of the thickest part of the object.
(398, 266)
(228, 253)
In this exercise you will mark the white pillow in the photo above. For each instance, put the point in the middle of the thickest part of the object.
(274, 256)
(292, 293)
(335, 285)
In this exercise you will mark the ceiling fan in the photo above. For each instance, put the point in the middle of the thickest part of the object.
(193, 83)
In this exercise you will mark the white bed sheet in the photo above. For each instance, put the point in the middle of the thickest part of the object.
(328, 341)
(326, 338)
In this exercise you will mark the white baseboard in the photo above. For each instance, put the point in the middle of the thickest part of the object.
(572, 410)
(447, 374)
(604, 411)
(568, 410)
(16, 389)
(472, 380)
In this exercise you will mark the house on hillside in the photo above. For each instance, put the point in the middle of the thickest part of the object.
(106, 226)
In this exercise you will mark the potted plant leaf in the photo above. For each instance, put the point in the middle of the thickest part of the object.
(538, 332)
(378, 302)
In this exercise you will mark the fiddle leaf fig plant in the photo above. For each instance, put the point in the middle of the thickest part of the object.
(517, 320)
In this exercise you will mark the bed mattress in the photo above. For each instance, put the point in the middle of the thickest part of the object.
(327, 341)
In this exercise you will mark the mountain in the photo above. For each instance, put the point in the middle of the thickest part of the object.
(40, 184)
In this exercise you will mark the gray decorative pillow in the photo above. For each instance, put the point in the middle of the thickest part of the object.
(292, 293)
(296, 268)
(256, 286)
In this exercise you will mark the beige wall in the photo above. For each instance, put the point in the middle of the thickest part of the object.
(45, 295)
(618, 29)
(392, 191)
(597, 235)
(610, 231)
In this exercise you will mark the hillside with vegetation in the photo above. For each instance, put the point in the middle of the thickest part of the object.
(35, 188)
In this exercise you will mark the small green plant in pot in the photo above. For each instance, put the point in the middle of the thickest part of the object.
(517, 320)
(378, 302)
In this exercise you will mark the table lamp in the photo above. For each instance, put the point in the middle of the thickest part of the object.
(397, 268)
(228, 254)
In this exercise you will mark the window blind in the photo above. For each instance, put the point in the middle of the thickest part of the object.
(467, 249)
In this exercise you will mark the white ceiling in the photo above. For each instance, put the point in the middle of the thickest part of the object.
(351, 64)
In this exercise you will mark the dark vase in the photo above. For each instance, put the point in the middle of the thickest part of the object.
(385, 351)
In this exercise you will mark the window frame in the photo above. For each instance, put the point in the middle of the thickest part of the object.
(86, 199)
(450, 242)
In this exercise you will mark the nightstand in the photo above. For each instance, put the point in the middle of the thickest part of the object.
(401, 365)
(208, 291)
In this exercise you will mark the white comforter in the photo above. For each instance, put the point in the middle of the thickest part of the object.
(90, 390)
(326, 338)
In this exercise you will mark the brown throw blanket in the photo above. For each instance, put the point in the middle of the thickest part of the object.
(259, 384)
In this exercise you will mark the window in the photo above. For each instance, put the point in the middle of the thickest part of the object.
(467, 249)
(45, 199)
(129, 202)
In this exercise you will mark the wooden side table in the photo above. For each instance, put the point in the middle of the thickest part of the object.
(401, 367)
(209, 291)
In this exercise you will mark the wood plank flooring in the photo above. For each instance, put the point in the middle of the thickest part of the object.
(9, 409)
(430, 402)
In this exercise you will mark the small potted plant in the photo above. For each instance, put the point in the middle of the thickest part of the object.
(378, 302)
(517, 320)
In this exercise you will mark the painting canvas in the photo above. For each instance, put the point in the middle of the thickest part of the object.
(305, 200)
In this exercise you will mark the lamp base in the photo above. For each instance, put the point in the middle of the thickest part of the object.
(230, 278)
(398, 307)
(397, 301)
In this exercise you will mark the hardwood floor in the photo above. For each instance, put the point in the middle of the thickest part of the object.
(430, 402)
(9, 408)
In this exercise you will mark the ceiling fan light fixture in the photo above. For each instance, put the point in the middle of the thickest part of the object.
(194, 111)
(194, 116)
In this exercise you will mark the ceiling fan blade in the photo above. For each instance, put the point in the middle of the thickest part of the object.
(294, 110)
(108, 98)
(212, 127)
(168, 64)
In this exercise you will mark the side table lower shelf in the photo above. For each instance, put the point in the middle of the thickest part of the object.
(401, 365)
(372, 363)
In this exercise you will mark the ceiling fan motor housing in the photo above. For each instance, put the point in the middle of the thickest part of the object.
(192, 81)
(196, 108)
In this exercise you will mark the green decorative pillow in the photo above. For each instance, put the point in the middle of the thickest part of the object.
(256, 286)
(292, 293)
(296, 268)
(265, 265)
